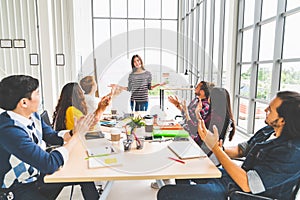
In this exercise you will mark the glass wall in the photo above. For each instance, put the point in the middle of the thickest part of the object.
(268, 57)
(122, 29)
(203, 25)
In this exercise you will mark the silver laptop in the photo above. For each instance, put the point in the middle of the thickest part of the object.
(186, 149)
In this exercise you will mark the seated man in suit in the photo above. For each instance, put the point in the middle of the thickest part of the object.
(271, 168)
(23, 138)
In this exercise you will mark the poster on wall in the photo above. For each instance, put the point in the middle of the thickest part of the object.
(19, 43)
(5, 43)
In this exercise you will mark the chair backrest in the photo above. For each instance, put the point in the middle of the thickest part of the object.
(45, 117)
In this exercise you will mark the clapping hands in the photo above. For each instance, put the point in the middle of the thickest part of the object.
(82, 125)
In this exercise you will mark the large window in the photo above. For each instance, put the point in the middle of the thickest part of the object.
(122, 29)
(268, 59)
(203, 25)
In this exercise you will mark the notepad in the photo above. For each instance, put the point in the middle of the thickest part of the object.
(103, 156)
(186, 149)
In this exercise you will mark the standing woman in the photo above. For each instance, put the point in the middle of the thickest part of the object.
(139, 82)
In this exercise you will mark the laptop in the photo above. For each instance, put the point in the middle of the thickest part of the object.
(186, 149)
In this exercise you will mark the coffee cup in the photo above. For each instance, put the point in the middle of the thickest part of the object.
(115, 135)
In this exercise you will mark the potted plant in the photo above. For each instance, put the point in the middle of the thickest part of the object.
(134, 123)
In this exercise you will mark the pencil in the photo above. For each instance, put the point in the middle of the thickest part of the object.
(97, 156)
(177, 160)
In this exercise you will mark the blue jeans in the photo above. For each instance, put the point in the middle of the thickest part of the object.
(217, 189)
(139, 106)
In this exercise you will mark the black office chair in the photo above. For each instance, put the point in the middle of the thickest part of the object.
(239, 195)
(45, 118)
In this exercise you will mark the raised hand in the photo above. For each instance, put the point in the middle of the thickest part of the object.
(102, 105)
(198, 109)
(82, 125)
(210, 139)
(184, 107)
(174, 100)
(162, 84)
(116, 89)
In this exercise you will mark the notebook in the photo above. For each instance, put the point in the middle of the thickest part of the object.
(186, 149)
(103, 156)
(101, 153)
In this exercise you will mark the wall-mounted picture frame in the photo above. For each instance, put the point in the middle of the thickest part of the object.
(34, 59)
(5, 43)
(60, 59)
(19, 43)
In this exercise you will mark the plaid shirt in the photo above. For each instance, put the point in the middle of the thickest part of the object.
(191, 126)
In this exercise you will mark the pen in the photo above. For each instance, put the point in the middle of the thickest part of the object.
(177, 160)
(97, 156)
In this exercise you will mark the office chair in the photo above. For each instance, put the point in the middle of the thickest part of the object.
(239, 195)
(45, 117)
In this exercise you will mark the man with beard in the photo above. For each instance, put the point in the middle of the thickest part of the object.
(271, 168)
(200, 103)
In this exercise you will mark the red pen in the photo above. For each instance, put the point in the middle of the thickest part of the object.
(177, 160)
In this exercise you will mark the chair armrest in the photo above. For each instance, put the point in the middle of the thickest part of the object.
(239, 195)
(178, 116)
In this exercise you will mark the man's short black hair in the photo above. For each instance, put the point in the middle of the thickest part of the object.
(14, 88)
(289, 109)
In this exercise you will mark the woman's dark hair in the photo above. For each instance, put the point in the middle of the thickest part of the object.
(14, 88)
(87, 84)
(71, 95)
(132, 62)
(290, 111)
(221, 112)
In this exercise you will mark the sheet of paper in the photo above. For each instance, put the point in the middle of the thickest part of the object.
(103, 156)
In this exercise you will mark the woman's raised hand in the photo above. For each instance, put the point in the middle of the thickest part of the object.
(116, 89)
(162, 84)
(209, 138)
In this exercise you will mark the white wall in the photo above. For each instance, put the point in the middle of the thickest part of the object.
(48, 29)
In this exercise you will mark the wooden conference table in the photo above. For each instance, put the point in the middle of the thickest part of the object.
(149, 163)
